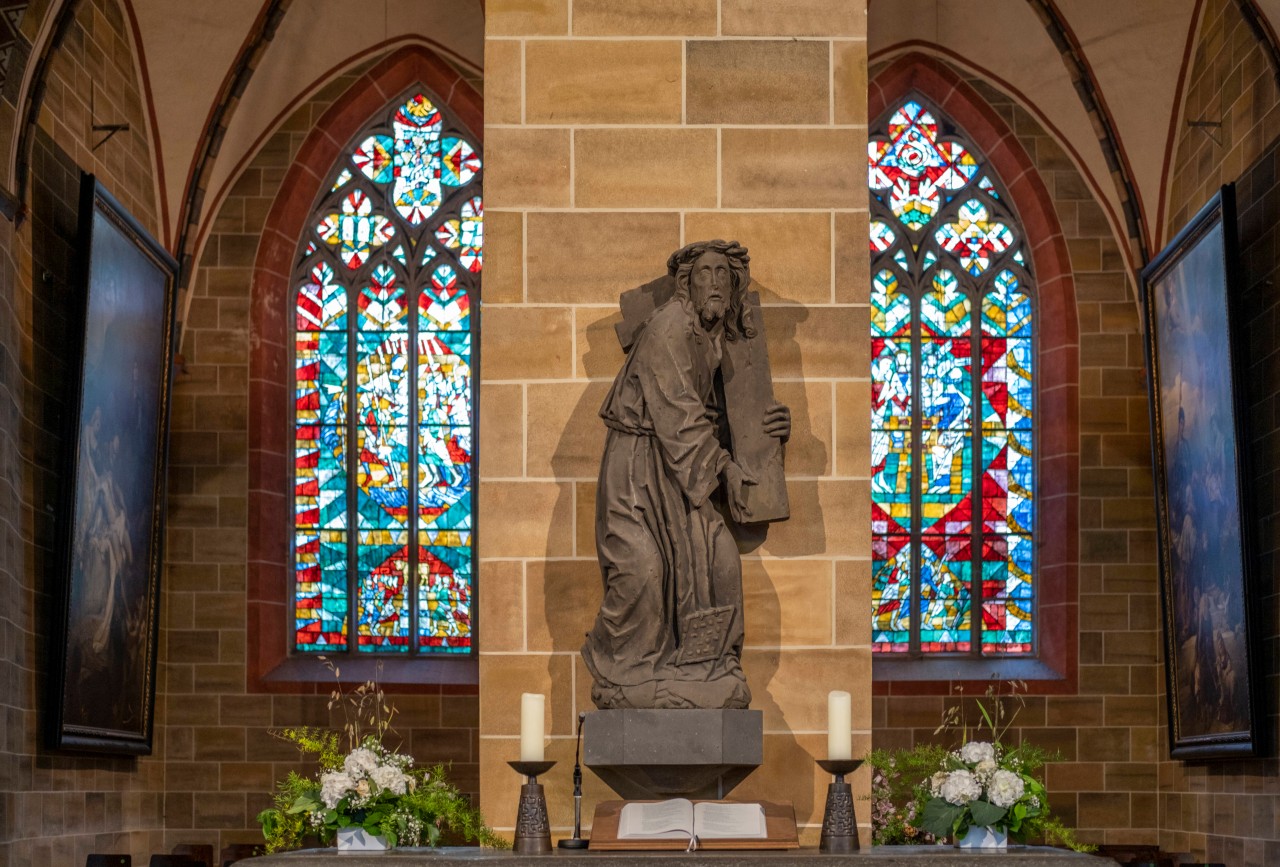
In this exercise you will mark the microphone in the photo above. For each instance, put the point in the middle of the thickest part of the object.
(576, 841)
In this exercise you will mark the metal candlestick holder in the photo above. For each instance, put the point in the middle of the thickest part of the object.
(839, 827)
(533, 831)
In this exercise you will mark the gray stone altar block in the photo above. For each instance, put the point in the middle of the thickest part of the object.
(673, 753)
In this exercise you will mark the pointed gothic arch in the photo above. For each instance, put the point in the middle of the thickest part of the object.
(310, 178)
(1018, 192)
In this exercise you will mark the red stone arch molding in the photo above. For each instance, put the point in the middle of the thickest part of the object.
(1058, 373)
(269, 666)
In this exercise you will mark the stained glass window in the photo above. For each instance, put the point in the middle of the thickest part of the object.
(388, 271)
(952, 355)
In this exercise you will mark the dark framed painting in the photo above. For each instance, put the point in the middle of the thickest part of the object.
(1200, 460)
(111, 529)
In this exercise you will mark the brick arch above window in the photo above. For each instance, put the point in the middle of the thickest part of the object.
(1055, 671)
(269, 665)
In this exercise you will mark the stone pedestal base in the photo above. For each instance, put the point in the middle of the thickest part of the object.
(680, 753)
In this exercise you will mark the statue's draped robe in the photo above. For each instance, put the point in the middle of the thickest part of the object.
(664, 549)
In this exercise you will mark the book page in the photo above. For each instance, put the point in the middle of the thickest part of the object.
(664, 820)
(718, 821)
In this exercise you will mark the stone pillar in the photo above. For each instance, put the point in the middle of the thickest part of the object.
(614, 134)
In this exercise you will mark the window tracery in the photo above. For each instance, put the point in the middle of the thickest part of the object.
(952, 354)
(387, 273)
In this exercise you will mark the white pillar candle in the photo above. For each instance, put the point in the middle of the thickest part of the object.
(532, 710)
(839, 725)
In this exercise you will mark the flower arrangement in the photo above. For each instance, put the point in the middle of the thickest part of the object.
(928, 793)
(369, 786)
(986, 785)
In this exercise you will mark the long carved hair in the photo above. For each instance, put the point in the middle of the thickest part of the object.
(739, 321)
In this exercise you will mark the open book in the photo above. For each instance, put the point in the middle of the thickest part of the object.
(682, 819)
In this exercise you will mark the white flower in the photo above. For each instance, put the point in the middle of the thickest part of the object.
(935, 783)
(360, 762)
(977, 751)
(334, 786)
(389, 778)
(960, 788)
(1006, 788)
(984, 769)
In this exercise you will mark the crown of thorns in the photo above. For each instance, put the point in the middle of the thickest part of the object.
(690, 253)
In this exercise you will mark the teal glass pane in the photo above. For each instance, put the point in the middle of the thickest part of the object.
(974, 238)
(395, 200)
(1007, 390)
(417, 193)
(995, 483)
(444, 478)
(471, 235)
(890, 481)
(382, 379)
(936, 212)
(1006, 310)
(890, 307)
(890, 593)
(946, 504)
(890, 383)
(320, 478)
(944, 309)
(373, 157)
(322, 302)
(444, 304)
(382, 612)
(911, 170)
(1008, 505)
(946, 384)
(383, 306)
(1021, 474)
(382, 476)
(945, 596)
(320, 377)
(444, 379)
(320, 592)
(1008, 597)
(444, 594)
(882, 237)
(459, 162)
(354, 230)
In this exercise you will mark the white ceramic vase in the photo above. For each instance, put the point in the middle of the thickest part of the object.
(356, 840)
(983, 837)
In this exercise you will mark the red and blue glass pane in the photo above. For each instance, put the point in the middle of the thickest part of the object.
(974, 239)
(927, 336)
(945, 570)
(914, 169)
(389, 210)
(891, 499)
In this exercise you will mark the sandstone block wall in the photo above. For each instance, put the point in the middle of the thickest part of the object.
(55, 809)
(1227, 811)
(613, 136)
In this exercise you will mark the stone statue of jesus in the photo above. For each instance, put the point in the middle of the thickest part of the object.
(670, 629)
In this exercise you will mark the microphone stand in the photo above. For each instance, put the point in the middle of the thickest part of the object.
(576, 841)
